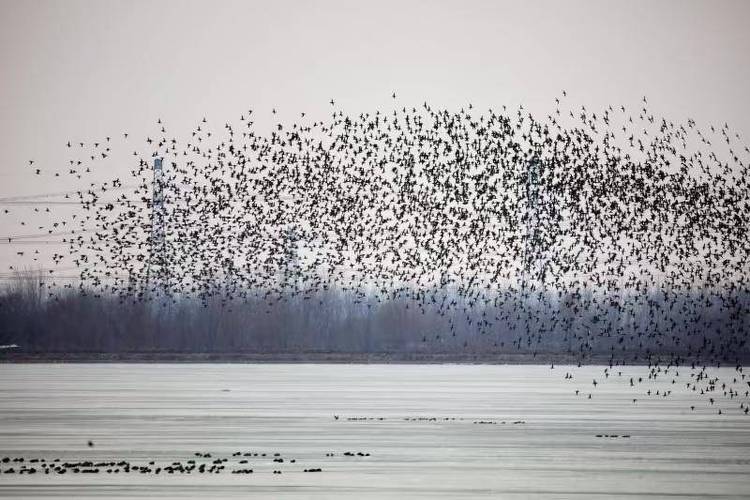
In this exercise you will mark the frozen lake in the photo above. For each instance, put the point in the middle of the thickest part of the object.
(418, 423)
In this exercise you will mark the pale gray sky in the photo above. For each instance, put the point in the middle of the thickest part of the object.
(73, 69)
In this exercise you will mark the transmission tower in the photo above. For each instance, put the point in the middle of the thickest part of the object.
(290, 264)
(155, 273)
(531, 258)
(532, 274)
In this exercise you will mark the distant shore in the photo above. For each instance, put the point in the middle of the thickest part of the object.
(19, 356)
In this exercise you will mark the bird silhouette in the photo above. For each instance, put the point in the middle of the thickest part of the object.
(621, 235)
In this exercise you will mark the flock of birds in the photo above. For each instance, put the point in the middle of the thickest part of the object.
(611, 227)
(202, 463)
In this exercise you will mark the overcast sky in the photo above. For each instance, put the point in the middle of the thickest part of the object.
(72, 69)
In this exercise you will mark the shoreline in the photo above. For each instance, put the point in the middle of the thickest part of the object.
(490, 358)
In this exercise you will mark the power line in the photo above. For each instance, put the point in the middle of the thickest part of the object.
(35, 242)
(64, 193)
(40, 202)
(52, 278)
(42, 235)
(32, 203)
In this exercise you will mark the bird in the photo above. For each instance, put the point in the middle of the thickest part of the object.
(615, 237)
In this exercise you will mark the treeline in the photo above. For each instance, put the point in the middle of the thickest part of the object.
(583, 324)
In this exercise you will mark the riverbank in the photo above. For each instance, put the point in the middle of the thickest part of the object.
(498, 358)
